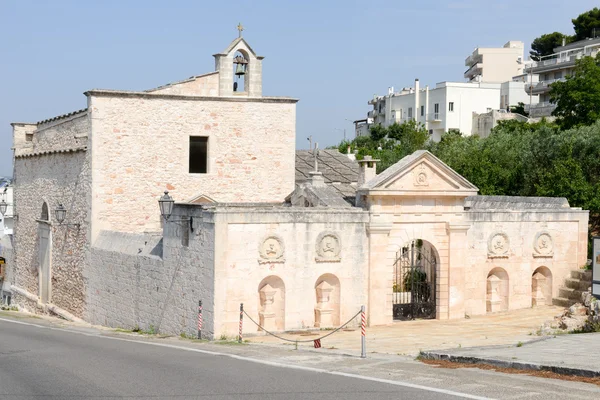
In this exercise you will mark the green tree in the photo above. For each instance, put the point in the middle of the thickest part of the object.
(519, 109)
(545, 44)
(577, 98)
(378, 132)
(587, 25)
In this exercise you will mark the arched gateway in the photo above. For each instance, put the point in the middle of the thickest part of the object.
(414, 287)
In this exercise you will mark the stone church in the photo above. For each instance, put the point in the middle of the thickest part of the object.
(302, 238)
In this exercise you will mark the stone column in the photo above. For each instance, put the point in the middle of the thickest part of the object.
(457, 263)
(380, 275)
(268, 317)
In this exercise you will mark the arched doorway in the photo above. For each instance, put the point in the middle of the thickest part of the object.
(414, 282)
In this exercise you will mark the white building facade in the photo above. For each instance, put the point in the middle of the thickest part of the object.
(553, 68)
(448, 106)
(495, 64)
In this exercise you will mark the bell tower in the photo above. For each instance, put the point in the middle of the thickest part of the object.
(240, 69)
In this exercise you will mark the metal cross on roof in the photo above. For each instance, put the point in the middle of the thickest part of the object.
(240, 28)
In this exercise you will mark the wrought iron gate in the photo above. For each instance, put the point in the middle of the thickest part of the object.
(414, 282)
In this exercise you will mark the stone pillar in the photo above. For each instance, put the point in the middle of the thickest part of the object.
(457, 262)
(538, 283)
(381, 273)
(494, 300)
(268, 316)
(323, 310)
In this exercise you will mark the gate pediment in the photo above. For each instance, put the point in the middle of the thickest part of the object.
(419, 174)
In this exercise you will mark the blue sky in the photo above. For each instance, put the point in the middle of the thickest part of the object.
(332, 55)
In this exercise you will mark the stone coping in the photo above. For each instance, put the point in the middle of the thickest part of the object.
(55, 151)
(152, 95)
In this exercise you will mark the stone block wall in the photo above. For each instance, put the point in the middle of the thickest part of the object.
(144, 281)
(141, 147)
(242, 268)
(567, 251)
(204, 85)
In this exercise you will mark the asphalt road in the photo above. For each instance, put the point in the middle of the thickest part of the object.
(41, 363)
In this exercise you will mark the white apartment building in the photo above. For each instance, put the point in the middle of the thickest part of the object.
(450, 105)
(556, 67)
(495, 64)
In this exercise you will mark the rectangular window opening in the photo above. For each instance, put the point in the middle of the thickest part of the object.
(198, 155)
(422, 110)
(451, 106)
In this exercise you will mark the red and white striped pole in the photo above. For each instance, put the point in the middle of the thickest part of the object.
(363, 332)
(241, 321)
(200, 319)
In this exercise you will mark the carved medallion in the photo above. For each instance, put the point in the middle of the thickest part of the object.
(498, 245)
(271, 250)
(543, 245)
(328, 247)
(420, 175)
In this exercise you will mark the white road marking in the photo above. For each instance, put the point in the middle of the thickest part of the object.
(264, 362)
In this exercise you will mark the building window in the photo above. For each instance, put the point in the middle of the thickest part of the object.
(431, 132)
(198, 154)
(558, 75)
(44, 216)
(436, 108)
(409, 112)
(422, 110)
(451, 106)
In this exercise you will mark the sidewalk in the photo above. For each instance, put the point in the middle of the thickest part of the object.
(411, 337)
(569, 354)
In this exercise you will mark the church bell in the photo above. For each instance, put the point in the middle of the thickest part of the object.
(240, 65)
(240, 69)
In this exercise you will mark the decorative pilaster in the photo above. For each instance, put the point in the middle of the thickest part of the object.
(380, 309)
(457, 262)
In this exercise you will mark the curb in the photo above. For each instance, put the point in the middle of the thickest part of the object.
(510, 364)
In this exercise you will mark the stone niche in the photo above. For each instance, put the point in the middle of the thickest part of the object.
(271, 294)
(541, 287)
(497, 291)
(327, 309)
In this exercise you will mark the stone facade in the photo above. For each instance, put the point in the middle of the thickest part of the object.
(249, 141)
(52, 167)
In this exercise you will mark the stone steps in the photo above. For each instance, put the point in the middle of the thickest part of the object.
(577, 284)
(570, 293)
(560, 302)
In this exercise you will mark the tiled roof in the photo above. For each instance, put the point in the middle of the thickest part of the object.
(339, 172)
(63, 116)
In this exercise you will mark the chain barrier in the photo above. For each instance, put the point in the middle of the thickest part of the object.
(307, 340)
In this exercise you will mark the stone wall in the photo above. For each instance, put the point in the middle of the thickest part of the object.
(46, 174)
(130, 286)
(204, 85)
(565, 232)
(141, 147)
(243, 265)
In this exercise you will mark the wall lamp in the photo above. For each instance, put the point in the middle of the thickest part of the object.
(166, 203)
(3, 207)
(60, 213)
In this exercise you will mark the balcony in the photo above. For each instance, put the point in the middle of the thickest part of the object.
(476, 69)
(541, 87)
(434, 117)
(543, 109)
(552, 64)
